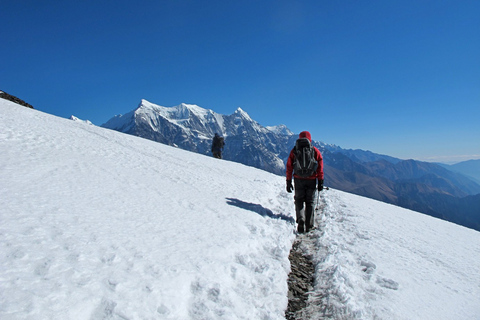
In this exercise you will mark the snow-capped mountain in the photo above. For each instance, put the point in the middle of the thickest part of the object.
(424, 187)
(101, 225)
(192, 128)
(80, 120)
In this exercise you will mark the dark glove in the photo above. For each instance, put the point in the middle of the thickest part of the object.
(289, 186)
(320, 185)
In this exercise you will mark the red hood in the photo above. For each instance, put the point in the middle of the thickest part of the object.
(305, 134)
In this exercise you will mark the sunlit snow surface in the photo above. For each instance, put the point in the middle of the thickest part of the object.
(95, 224)
(378, 261)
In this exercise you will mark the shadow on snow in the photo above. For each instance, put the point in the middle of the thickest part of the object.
(264, 212)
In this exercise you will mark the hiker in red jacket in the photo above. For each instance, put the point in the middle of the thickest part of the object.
(305, 164)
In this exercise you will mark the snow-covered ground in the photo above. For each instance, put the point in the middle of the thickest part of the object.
(379, 261)
(96, 224)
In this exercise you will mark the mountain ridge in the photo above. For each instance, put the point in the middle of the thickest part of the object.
(469, 168)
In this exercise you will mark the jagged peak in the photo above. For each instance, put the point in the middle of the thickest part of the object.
(181, 111)
(242, 113)
(72, 117)
(196, 109)
(147, 105)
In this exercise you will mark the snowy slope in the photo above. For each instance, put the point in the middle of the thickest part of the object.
(97, 224)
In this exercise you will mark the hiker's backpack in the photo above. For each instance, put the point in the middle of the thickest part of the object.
(305, 164)
(218, 142)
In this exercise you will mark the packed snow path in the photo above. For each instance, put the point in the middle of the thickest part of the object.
(96, 224)
(300, 279)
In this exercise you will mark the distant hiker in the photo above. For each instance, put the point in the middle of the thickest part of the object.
(217, 146)
(305, 163)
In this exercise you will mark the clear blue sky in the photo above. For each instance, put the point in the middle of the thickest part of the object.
(400, 78)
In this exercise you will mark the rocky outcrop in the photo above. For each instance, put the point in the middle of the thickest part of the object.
(9, 97)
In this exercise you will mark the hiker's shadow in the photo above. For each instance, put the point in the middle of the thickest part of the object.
(264, 212)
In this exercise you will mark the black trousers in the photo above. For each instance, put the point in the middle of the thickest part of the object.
(305, 200)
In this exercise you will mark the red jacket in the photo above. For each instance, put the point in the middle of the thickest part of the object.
(318, 157)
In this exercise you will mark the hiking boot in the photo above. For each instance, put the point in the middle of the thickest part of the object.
(300, 228)
(311, 228)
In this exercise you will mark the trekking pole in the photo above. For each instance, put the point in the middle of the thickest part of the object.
(318, 195)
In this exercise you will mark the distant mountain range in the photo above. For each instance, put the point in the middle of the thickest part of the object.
(424, 187)
(470, 168)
